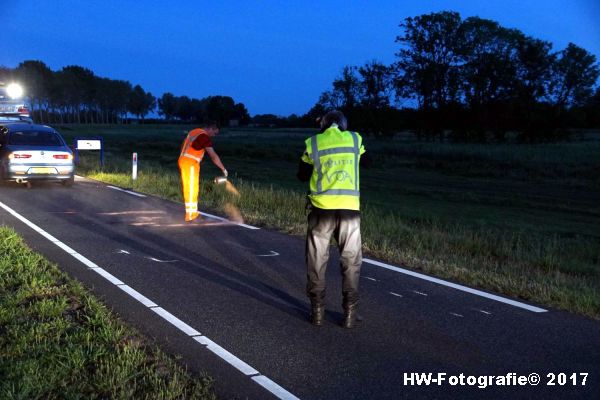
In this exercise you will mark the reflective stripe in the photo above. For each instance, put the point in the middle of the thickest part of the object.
(356, 155)
(317, 163)
(191, 185)
(192, 157)
(337, 150)
(338, 192)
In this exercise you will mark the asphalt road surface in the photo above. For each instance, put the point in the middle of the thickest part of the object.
(229, 299)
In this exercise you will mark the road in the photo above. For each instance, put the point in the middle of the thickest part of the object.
(229, 299)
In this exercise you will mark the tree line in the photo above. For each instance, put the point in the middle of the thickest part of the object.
(74, 94)
(471, 77)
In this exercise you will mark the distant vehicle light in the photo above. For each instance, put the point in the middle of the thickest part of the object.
(14, 90)
(23, 111)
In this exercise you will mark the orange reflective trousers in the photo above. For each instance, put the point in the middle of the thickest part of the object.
(190, 182)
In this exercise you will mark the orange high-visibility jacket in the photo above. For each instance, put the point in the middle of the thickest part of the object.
(187, 150)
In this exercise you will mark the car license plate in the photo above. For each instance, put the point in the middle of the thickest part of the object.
(42, 170)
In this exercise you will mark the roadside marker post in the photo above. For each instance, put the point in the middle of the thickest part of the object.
(89, 143)
(134, 162)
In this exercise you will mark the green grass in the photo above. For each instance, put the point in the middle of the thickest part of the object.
(57, 341)
(522, 220)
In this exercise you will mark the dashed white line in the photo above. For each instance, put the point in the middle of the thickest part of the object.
(274, 388)
(179, 324)
(485, 312)
(369, 278)
(457, 315)
(395, 294)
(138, 296)
(160, 261)
(228, 357)
(420, 293)
(238, 364)
(271, 254)
(456, 286)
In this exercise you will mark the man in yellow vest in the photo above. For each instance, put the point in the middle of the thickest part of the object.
(331, 163)
(196, 143)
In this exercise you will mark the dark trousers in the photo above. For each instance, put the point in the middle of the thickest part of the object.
(344, 226)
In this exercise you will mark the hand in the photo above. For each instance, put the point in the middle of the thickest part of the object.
(225, 174)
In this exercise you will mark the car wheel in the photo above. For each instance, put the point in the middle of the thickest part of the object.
(69, 182)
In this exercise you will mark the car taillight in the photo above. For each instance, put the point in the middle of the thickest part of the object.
(23, 110)
(63, 156)
(13, 155)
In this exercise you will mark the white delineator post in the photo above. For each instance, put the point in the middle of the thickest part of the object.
(134, 160)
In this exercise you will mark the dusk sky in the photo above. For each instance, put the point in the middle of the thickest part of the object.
(273, 56)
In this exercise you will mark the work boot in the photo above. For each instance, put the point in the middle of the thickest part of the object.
(318, 314)
(350, 315)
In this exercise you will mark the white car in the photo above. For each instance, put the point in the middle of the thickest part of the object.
(31, 152)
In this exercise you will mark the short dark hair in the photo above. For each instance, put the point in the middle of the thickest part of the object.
(334, 117)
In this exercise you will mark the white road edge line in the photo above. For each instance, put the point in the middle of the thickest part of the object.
(456, 286)
(225, 355)
(274, 388)
(202, 213)
(126, 191)
(226, 220)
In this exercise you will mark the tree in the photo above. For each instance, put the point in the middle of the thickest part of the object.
(427, 67)
(37, 78)
(167, 106)
(574, 74)
(140, 102)
(375, 85)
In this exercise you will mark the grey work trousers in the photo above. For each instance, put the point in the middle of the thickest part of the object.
(344, 226)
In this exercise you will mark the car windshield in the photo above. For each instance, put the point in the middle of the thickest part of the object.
(34, 138)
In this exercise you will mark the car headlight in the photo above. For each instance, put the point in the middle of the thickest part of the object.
(14, 90)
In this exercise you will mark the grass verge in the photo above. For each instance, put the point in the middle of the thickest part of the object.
(58, 341)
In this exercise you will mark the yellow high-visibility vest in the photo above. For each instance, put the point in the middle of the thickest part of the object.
(335, 181)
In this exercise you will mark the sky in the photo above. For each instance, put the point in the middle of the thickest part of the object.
(276, 57)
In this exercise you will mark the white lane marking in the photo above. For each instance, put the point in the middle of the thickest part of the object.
(369, 278)
(161, 261)
(485, 312)
(238, 364)
(111, 278)
(274, 388)
(262, 380)
(421, 293)
(138, 296)
(225, 219)
(123, 252)
(272, 254)
(457, 315)
(179, 324)
(65, 247)
(395, 294)
(456, 286)
(126, 191)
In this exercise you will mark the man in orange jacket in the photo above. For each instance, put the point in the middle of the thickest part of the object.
(196, 143)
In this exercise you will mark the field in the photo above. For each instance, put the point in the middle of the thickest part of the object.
(523, 220)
